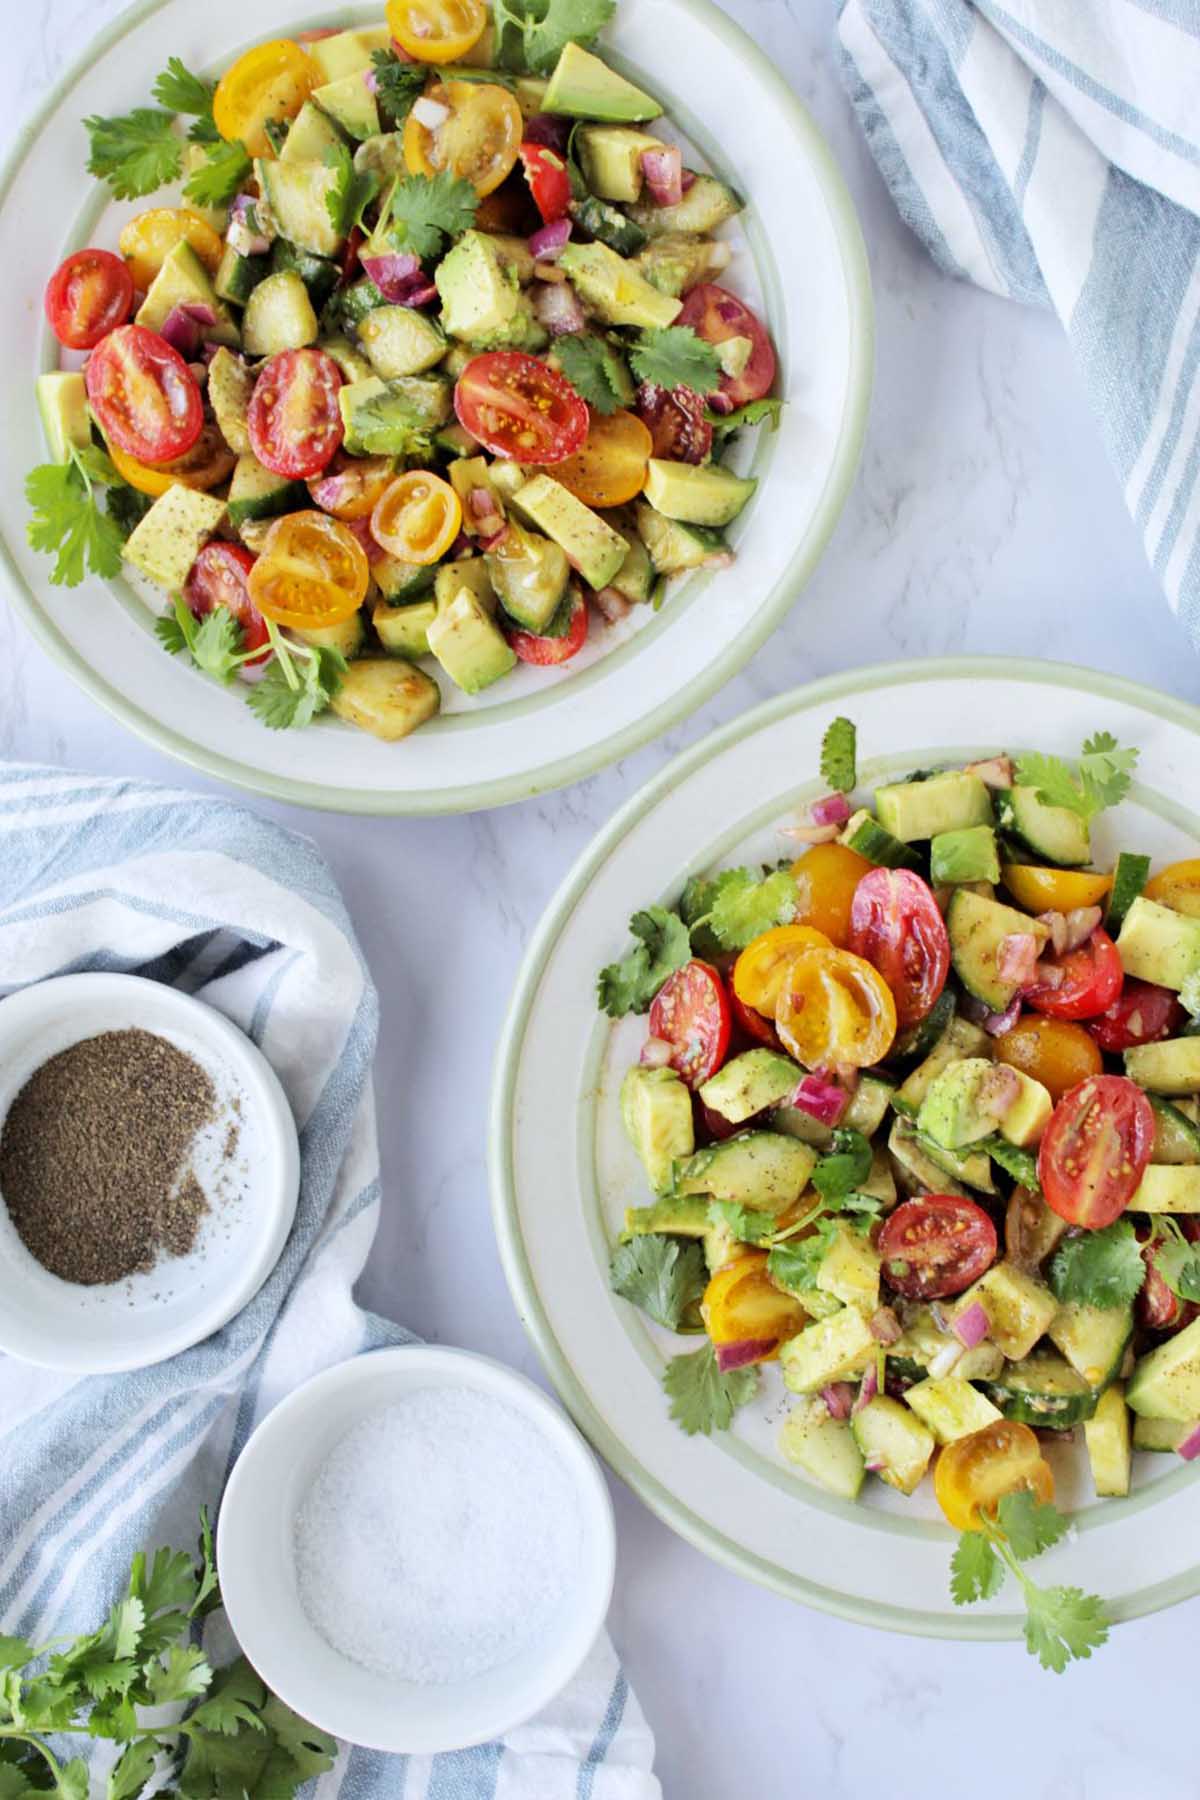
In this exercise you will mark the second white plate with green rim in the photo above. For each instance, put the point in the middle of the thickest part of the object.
(562, 1174)
(798, 256)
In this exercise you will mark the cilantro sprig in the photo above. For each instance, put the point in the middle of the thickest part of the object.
(135, 153)
(839, 751)
(1104, 777)
(595, 369)
(1099, 1268)
(68, 518)
(234, 1735)
(421, 210)
(672, 356)
(182, 92)
(397, 84)
(664, 1277)
(531, 34)
(702, 1398)
(1176, 1260)
(753, 413)
(352, 191)
(1062, 1624)
(663, 945)
(220, 175)
(299, 684)
(737, 905)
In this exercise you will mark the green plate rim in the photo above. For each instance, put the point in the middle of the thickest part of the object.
(554, 773)
(673, 1512)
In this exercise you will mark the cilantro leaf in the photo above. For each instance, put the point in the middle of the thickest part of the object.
(125, 506)
(1020, 1164)
(845, 1168)
(673, 356)
(753, 413)
(795, 1266)
(1105, 775)
(353, 191)
(663, 946)
(531, 34)
(421, 210)
(68, 520)
(744, 1223)
(181, 1675)
(1030, 1525)
(397, 84)
(1176, 1261)
(595, 370)
(135, 153)
(976, 1572)
(662, 1276)
(702, 1399)
(282, 704)
(1063, 1624)
(839, 755)
(129, 1775)
(182, 92)
(744, 906)
(1099, 1268)
(220, 175)
(214, 643)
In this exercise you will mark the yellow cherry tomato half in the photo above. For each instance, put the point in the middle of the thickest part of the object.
(478, 140)
(436, 31)
(1053, 1051)
(835, 1010)
(310, 572)
(610, 469)
(1177, 886)
(417, 517)
(1053, 890)
(826, 877)
(350, 486)
(975, 1472)
(741, 1305)
(760, 971)
(206, 465)
(147, 240)
(272, 81)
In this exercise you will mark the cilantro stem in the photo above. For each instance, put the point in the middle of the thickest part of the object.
(283, 652)
(24, 1737)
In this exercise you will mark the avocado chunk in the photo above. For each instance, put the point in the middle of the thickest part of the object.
(707, 204)
(675, 1215)
(353, 365)
(635, 578)
(401, 341)
(479, 294)
(183, 280)
(611, 159)
(62, 402)
(967, 855)
(386, 696)
(347, 636)
(1172, 1067)
(393, 418)
(950, 1407)
(524, 331)
(824, 1448)
(310, 134)
(698, 494)
(674, 263)
(165, 543)
(673, 546)
(583, 87)
(750, 1083)
(468, 572)
(656, 1109)
(614, 289)
(230, 385)
(351, 104)
(348, 52)
(764, 1170)
(1168, 1189)
(1165, 1383)
(912, 810)
(1158, 944)
(529, 574)
(468, 644)
(592, 546)
(850, 1269)
(299, 195)
(1109, 1449)
(1019, 1309)
(977, 928)
(401, 583)
(404, 630)
(827, 1350)
(970, 1101)
(466, 474)
(895, 1444)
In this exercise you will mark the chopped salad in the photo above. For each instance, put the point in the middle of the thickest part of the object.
(430, 368)
(920, 1114)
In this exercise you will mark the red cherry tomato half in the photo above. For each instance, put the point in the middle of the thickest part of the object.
(218, 577)
(521, 408)
(295, 422)
(1088, 981)
(936, 1246)
(691, 1013)
(545, 650)
(1095, 1149)
(549, 182)
(1158, 1306)
(143, 395)
(896, 926)
(674, 417)
(1140, 1014)
(753, 1024)
(88, 295)
(716, 315)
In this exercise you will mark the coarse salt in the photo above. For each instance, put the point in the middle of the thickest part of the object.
(439, 1538)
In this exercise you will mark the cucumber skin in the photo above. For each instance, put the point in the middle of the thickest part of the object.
(879, 846)
(1129, 878)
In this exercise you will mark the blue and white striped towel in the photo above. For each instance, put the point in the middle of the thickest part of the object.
(1050, 151)
(100, 874)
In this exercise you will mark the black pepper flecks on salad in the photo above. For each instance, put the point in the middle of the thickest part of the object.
(431, 362)
(921, 1115)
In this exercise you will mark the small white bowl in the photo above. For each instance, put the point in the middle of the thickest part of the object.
(149, 1316)
(258, 1579)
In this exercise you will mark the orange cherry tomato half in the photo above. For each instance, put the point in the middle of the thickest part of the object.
(88, 295)
(974, 1473)
(1041, 890)
(478, 141)
(520, 408)
(936, 1245)
(895, 924)
(1053, 1051)
(835, 1010)
(826, 878)
(691, 1013)
(761, 969)
(272, 81)
(351, 485)
(202, 467)
(436, 31)
(294, 419)
(312, 571)
(1095, 1149)
(742, 1307)
(1177, 886)
(549, 650)
(417, 517)
(610, 469)
(143, 395)
(147, 240)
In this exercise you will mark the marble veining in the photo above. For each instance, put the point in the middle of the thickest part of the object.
(985, 519)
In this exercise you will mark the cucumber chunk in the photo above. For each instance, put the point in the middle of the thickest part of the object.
(977, 927)
(1043, 1389)
(827, 1350)
(1165, 1383)
(866, 835)
(386, 696)
(1129, 878)
(824, 1448)
(1093, 1339)
(278, 316)
(1053, 834)
(896, 1446)
(950, 1407)
(761, 1169)
(1106, 1434)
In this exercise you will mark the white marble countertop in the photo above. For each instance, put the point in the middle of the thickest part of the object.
(985, 519)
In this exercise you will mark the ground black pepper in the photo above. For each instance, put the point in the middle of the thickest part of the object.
(94, 1156)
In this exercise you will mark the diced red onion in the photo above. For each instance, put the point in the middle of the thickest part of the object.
(663, 170)
(811, 834)
(550, 240)
(485, 514)
(656, 1053)
(746, 1350)
(870, 1386)
(557, 307)
(874, 1465)
(834, 809)
(939, 1315)
(719, 402)
(972, 1325)
(183, 327)
(430, 113)
(718, 1126)
(820, 1098)
(612, 605)
(254, 671)
(1056, 925)
(994, 1023)
(1016, 958)
(1048, 974)
(884, 1326)
(719, 559)
(421, 296)
(548, 129)
(996, 772)
(395, 274)
(1189, 1448)
(199, 373)
(400, 53)
(1081, 923)
(688, 179)
(838, 1398)
(462, 546)
(945, 1361)
(370, 81)
(208, 351)
(999, 1091)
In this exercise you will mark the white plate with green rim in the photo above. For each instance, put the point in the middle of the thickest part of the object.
(798, 256)
(562, 1172)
